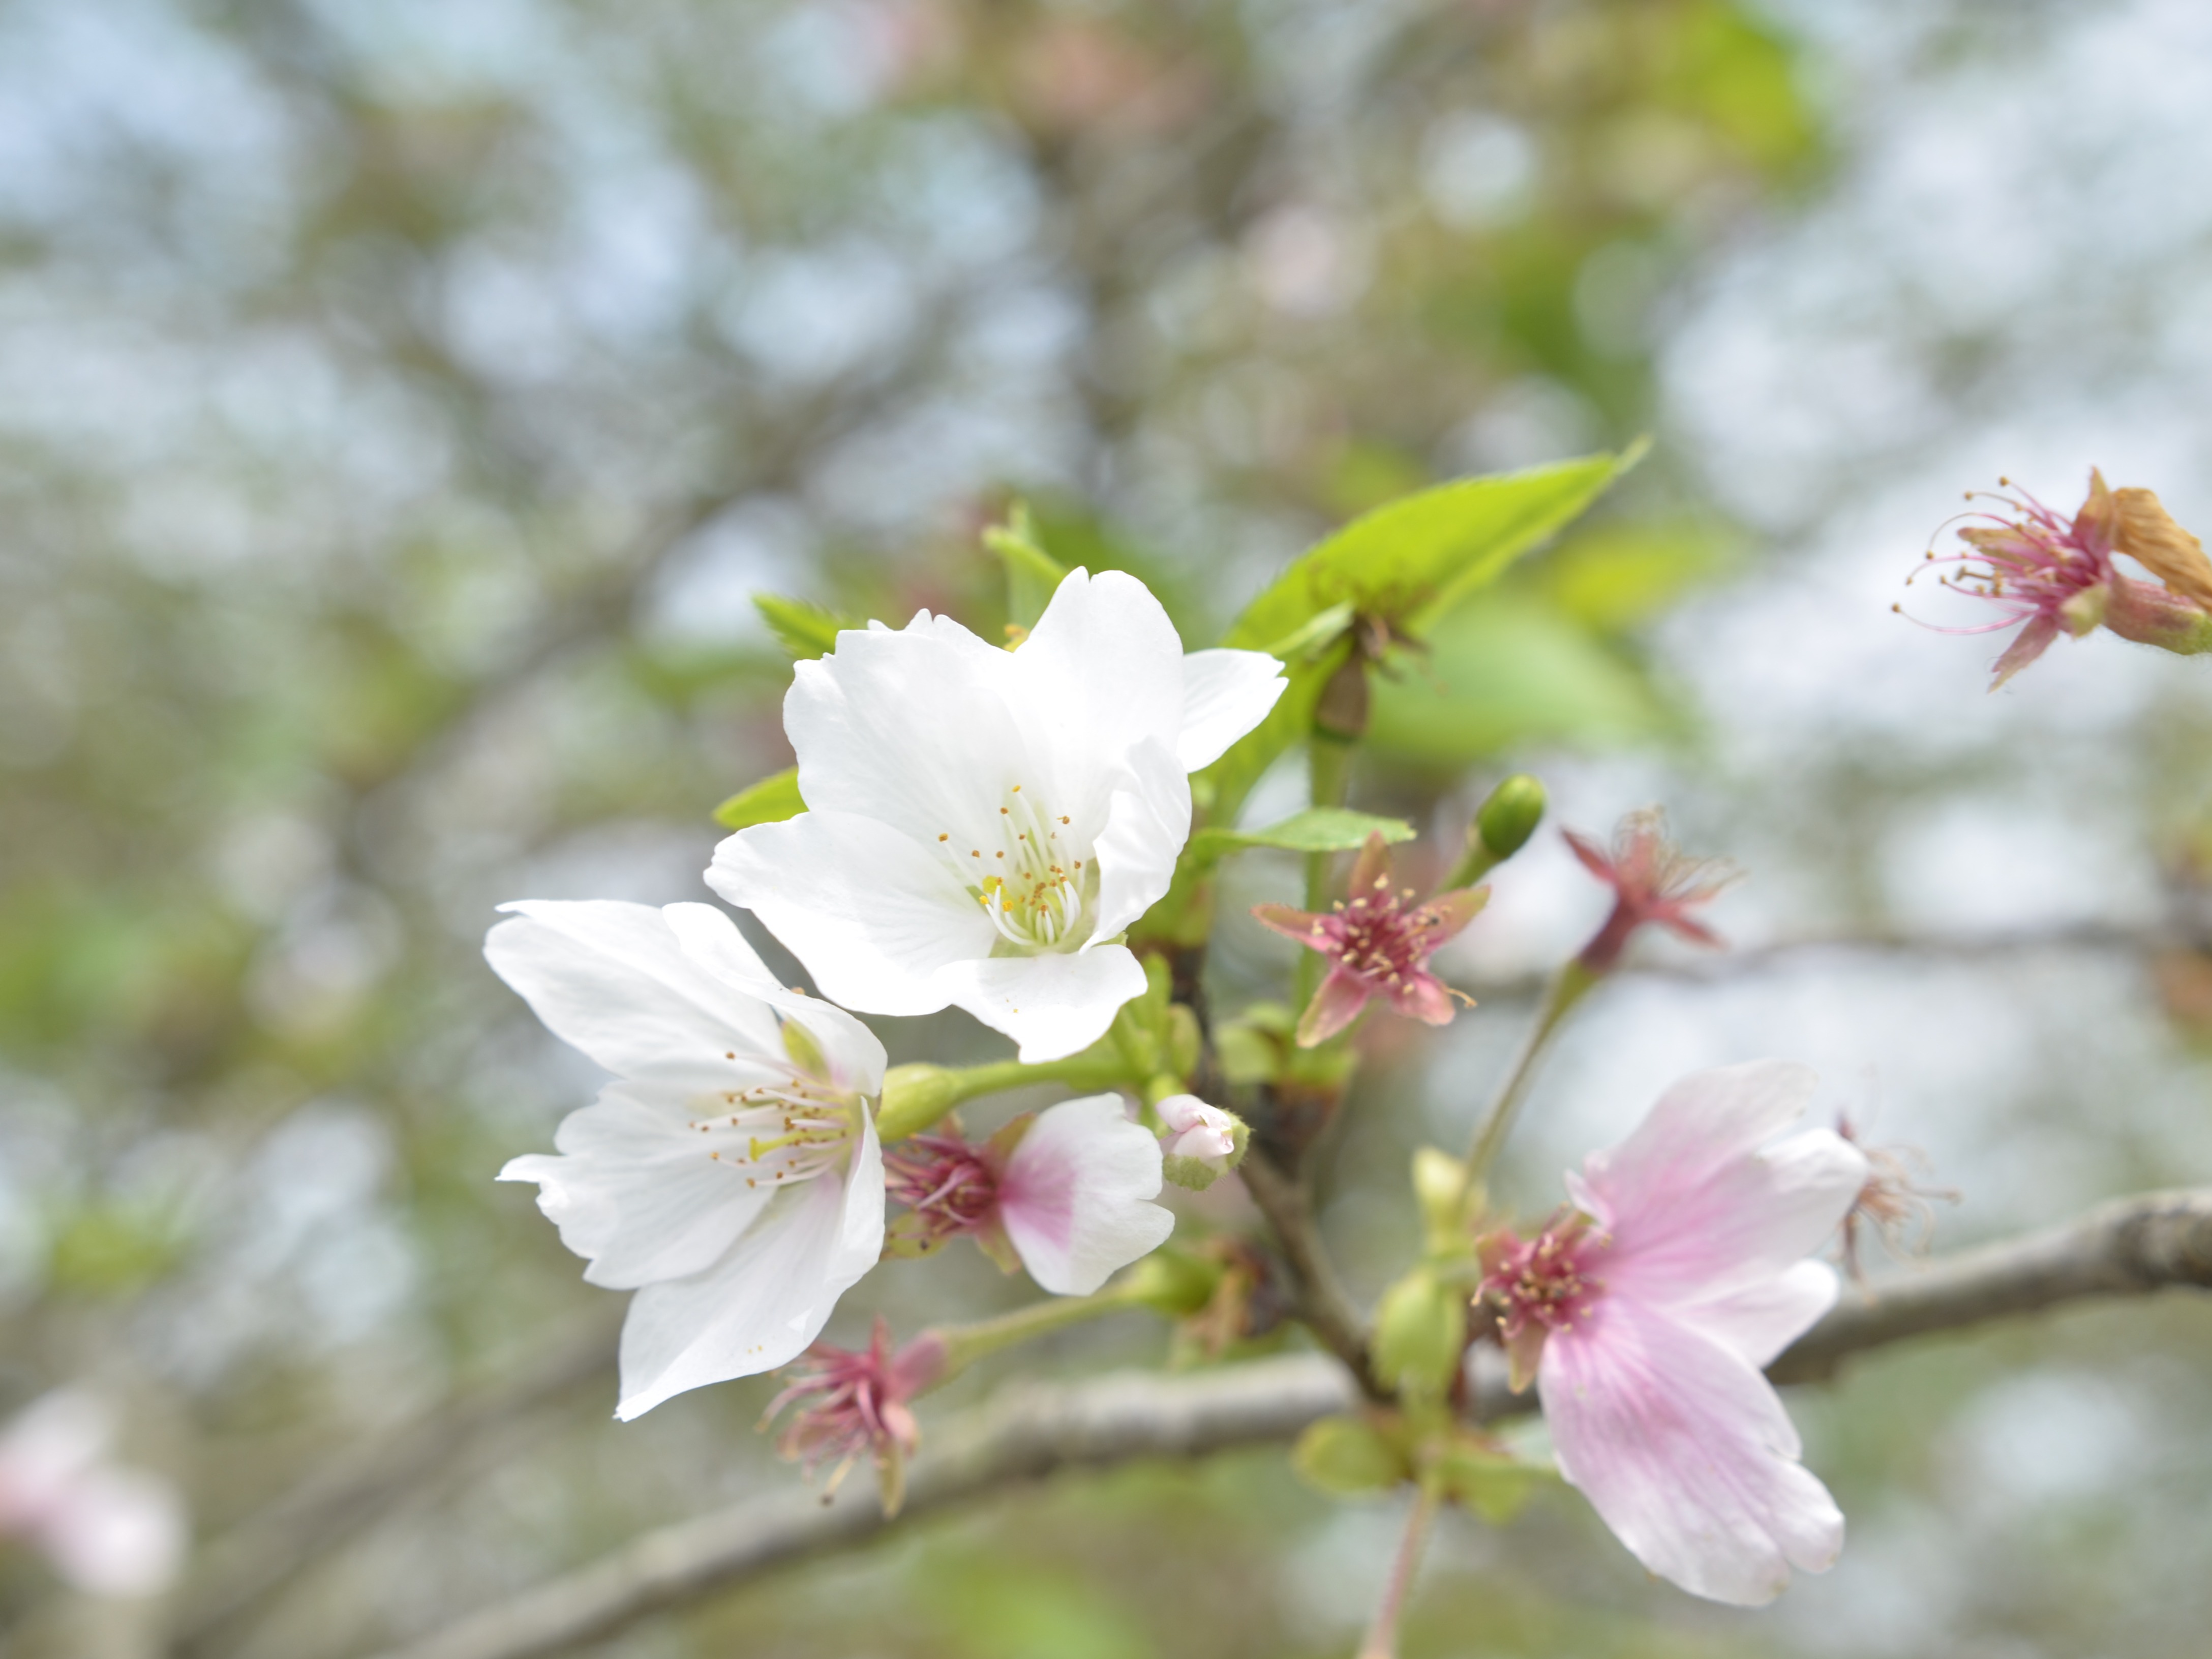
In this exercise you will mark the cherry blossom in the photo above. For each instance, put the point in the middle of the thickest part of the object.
(1379, 944)
(847, 1404)
(1065, 1193)
(984, 825)
(731, 1175)
(1653, 882)
(109, 1531)
(1648, 1311)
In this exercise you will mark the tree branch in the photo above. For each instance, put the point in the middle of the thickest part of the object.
(1323, 1304)
(2128, 1248)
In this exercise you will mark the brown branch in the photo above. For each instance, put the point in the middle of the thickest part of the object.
(1323, 1304)
(1027, 1432)
(2129, 1248)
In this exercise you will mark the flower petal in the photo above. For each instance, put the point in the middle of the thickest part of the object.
(2031, 642)
(1073, 1198)
(1100, 674)
(634, 1192)
(1335, 1006)
(767, 1300)
(709, 937)
(1757, 1321)
(1052, 1006)
(1697, 1219)
(1226, 693)
(1450, 913)
(1423, 997)
(1146, 829)
(612, 980)
(872, 914)
(909, 726)
(1685, 1450)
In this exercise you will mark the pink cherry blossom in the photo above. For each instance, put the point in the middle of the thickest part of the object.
(1065, 1193)
(109, 1531)
(1653, 882)
(1377, 946)
(1650, 1309)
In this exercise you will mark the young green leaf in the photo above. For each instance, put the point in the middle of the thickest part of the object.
(1349, 1457)
(1409, 562)
(803, 628)
(770, 801)
(1316, 829)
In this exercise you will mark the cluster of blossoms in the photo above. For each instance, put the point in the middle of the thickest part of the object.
(983, 826)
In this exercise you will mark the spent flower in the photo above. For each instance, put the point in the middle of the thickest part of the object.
(1654, 884)
(984, 825)
(1065, 1192)
(1648, 1312)
(847, 1404)
(1378, 944)
(730, 1174)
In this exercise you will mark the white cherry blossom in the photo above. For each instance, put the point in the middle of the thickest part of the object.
(984, 825)
(731, 1175)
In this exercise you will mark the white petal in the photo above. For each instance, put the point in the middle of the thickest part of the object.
(1074, 1196)
(634, 1191)
(911, 728)
(856, 1057)
(1100, 673)
(1685, 1450)
(872, 914)
(119, 1533)
(1052, 1006)
(767, 1300)
(1224, 695)
(1146, 829)
(612, 980)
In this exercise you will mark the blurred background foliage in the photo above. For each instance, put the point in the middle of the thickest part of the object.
(400, 405)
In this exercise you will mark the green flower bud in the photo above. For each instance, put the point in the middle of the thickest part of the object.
(1172, 1282)
(1511, 816)
(915, 1096)
(1349, 1457)
(1420, 1332)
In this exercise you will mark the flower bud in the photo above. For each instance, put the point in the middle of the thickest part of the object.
(1449, 1205)
(1201, 1141)
(1420, 1332)
(915, 1096)
(1500, 829)
(1173, 1282)
(1350, 1456)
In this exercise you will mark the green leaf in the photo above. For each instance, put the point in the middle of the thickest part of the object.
(1620, 577)
(804, 629)
(1316, 829)
(1349, 1457)
(1409, 562)
(1033, 575)
(770, 801)
(1510, 669)
(1491, 1482)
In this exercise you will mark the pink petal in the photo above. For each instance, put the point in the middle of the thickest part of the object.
(1334, 1006)
(1453, 911)
(1592, 855)
(1370, 870)
(1696, 1208)
(1422, 996)
(1074, 1198)
(1291, 924)
(2029, 643)
(1685, 1451)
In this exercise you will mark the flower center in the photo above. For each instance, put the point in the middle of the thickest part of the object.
(1543, 1285)
(1037, 882)
(1373, 935)
(945, 1184)
(781, 1134)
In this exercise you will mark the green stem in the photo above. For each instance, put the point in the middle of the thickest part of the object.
(916, 1096)
(1328, 764)
(1382, 1641)
(966, 1344)
(1571, 985)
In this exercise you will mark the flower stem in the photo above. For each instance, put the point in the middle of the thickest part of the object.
(963, 1345)
(1568, 986)
(916, 1096)
(1382, 1641)
(1328, 763)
